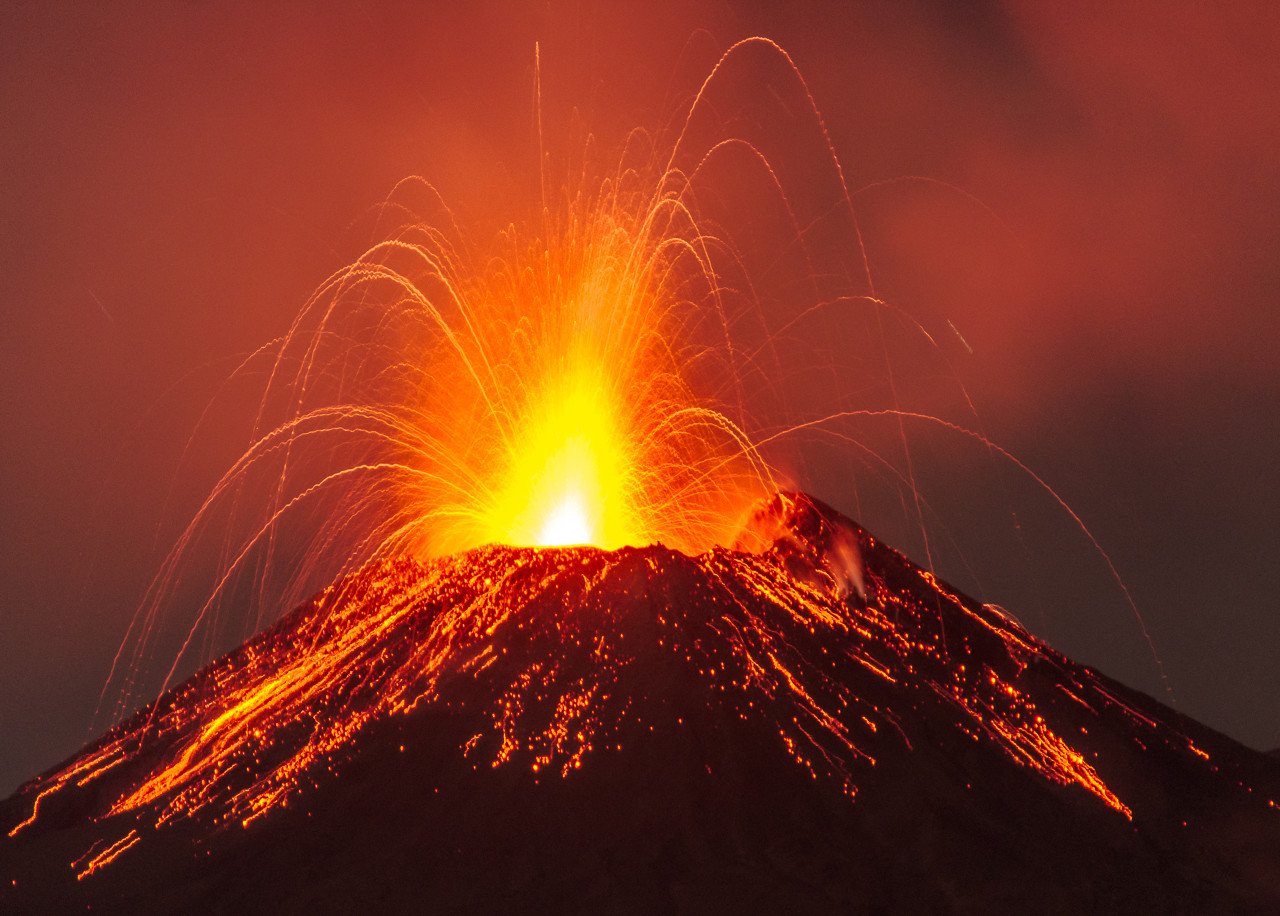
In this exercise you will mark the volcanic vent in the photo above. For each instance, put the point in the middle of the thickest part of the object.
(807, 722)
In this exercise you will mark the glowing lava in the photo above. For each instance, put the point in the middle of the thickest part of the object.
(569, 473)
(567, 524)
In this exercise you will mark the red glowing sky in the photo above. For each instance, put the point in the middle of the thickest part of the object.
(178, 179)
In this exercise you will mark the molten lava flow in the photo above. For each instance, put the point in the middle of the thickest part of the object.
(541, 658)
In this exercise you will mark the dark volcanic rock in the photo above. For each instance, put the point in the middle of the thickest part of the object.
(808, 723)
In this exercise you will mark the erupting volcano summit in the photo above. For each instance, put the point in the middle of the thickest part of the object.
(807, 722)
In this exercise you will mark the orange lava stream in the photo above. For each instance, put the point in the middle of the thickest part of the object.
(88, 864)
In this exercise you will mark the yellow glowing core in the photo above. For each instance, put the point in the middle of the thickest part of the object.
(568, 524)
(568, 472)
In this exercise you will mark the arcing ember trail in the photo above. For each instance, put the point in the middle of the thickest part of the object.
(906, 726)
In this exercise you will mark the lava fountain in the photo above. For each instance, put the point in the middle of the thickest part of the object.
(586, 379)
(620, 368)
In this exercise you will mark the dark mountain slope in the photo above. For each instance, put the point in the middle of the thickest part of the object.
(809, 723)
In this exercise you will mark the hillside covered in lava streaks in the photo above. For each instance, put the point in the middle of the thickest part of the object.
(807, 720)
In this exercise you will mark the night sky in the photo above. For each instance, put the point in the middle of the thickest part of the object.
(1099, 226)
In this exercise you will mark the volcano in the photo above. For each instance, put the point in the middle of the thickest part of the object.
(807, 722)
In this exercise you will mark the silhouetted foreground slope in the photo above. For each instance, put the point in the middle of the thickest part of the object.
(810, 723)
